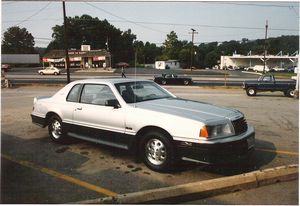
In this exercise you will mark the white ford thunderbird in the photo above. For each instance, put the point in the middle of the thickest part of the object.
(142, 116)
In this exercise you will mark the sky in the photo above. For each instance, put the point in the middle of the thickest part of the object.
(152, 20)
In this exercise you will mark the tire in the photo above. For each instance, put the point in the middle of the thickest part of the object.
(157, 151)
(55, 73)
(41, 73)
(251, 91)
(186, 82)
(289, 93)
(55, 129)
(164, 82)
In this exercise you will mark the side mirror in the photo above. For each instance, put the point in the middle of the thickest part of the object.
(113, 103)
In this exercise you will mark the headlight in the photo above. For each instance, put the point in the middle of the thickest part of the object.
(221, 130)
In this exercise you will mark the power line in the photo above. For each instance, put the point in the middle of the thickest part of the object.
(171, 24)
(45, 19)
(123, 18)
(295, 11)
(26, 11)
(36, 13)
(250, 4)
(210, 26)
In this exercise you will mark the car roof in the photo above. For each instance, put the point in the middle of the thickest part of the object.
(108, 80)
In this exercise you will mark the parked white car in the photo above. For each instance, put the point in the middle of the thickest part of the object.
(278, 69)
(143, 117)
(50, 70)
(260, 68)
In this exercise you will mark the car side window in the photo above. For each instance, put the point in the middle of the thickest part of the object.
(267, 78)
(96, 94)
(74, 94)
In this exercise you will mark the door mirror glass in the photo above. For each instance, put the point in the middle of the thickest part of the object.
(112, 103)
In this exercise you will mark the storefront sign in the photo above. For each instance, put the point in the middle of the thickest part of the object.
(99, 58)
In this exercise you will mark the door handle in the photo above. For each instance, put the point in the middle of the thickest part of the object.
(79, 108)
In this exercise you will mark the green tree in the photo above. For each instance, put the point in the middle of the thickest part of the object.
(17, 40)
(171, 47)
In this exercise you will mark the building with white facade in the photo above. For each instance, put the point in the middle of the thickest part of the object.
(237, 60)
(169, 64)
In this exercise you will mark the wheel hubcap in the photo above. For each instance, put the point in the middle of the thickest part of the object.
(56, 129)
(251, 91)
(156, 151)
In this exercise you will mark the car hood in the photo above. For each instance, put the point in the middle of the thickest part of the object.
(198, 111)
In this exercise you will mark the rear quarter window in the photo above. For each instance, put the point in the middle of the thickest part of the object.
(74, 94)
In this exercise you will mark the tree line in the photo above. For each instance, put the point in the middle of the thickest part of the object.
(124, 46)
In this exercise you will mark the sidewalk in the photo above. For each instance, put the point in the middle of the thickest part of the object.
(283, 193)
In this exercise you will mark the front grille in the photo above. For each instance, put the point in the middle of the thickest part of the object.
(240, 126)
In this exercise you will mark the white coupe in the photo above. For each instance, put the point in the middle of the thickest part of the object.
(50, 70)
(141, 116)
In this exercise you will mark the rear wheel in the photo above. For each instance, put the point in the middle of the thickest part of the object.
(55, 129)
(251, 91)
(289, 93)
(55, 73)
(41, 73)
(164, 82)
(157, 151)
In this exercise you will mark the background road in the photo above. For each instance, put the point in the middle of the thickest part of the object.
(36, 170)
(200, 77)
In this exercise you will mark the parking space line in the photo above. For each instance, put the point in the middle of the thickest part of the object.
(278, 151)
(61, 176)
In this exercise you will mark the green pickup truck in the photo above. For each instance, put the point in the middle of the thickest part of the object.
(268, 83)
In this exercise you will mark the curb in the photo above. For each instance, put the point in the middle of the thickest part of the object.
(202, 189)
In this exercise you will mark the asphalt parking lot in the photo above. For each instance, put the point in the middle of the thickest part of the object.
(35, 170)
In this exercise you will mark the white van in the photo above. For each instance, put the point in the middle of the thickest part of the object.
(260, 68)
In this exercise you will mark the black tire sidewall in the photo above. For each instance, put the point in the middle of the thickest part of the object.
(288, 93)
(167, 165)
(62, 138)
(251, 88)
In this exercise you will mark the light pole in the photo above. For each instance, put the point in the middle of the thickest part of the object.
(265, 47)
(192, 50)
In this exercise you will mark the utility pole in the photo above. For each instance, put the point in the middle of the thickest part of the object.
(67, 62)
(192, 50)
(107, 48)
(265, 47)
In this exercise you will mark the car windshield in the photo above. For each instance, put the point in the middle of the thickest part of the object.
(141, 91)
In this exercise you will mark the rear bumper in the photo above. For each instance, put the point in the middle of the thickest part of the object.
(40, 121)
(218, 153)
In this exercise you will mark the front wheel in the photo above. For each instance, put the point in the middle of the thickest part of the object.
(186, 82)
(157, 151)
(164, 82)
(251, 91)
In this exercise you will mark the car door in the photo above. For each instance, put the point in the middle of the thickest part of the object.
(170, 79)
(92, 118)
(266, 83)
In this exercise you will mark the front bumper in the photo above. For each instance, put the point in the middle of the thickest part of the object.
(231, 150)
